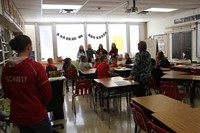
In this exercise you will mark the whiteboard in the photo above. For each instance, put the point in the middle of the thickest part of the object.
(151, 47)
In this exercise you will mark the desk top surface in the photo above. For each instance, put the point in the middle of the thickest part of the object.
(57, 78)
(122, 69)
(89, 71)
(181, 120)
(116, 82)
(159, 103)
(172, 72)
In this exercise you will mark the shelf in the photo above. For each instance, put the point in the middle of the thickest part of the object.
(3, 42)
(1, 63)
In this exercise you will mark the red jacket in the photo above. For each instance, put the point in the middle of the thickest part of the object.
(27, 86)
(103, 70)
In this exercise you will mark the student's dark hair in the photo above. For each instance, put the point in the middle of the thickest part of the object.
(19, 43)
(103, 57)
(142, 46)
(66, 64)
(153, 62)
(49, 59)
(83, 58)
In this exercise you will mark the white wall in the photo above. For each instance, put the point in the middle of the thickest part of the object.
(30, 31)
(157, 27)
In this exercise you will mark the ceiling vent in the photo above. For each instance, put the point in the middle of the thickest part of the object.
(65, 11)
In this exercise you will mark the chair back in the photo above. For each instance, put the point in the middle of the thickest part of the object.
(152, 85)
(140, 117)
(195, 71)
(169, 89)
(156, 129)
(71, 74)
(83, 87)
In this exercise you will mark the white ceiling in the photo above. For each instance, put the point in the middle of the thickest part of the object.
(110, 10)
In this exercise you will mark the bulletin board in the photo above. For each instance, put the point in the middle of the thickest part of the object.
(151, 47)
(162, 42)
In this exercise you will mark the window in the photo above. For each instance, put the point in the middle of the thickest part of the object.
(69, 38)
(46, 42)
(117, 35)
(96, 35)
(134, 38)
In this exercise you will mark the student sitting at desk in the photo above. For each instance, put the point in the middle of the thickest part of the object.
(161, 60)
(84, 65)
(128, 59)
(103, 70)
(50, 66)
(97, 62)
(156, 72)
(114, 62)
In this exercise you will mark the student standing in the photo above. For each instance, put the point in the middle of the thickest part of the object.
(26, 84)
(81, 52)
(101, 51)
(141, 70)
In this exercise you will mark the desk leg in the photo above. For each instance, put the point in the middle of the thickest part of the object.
(192, 95)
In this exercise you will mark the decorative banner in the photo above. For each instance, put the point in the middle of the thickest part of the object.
(80, 36)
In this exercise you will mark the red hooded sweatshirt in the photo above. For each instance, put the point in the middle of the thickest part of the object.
(26, 84)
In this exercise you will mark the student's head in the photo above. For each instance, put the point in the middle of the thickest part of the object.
(113, 45)
(81, 48)
(84, 59)
(97, 60)
(142, 46)
(21, 43)
(100, 46)
(67, 60)
(89, 46)
(50, 60)
(153, 62)
(160, 55)
(186, 55)
(126, 56)
(114, 60)
(104, 58)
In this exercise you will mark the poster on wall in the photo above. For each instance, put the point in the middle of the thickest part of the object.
(119, 41)
(162, 43)
(151, 47)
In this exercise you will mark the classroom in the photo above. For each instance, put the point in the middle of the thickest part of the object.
(93, 66)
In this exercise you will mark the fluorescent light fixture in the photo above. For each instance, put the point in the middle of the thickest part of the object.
(51, 6)
(160, 9)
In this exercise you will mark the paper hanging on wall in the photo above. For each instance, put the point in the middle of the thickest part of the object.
(119, 41)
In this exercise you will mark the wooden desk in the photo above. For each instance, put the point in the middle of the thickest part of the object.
(116, 82)
(123, 71)
(159, 103)
(178, 77)
(181, 121)
(113, 84)
(89, 71)
(172, 72)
